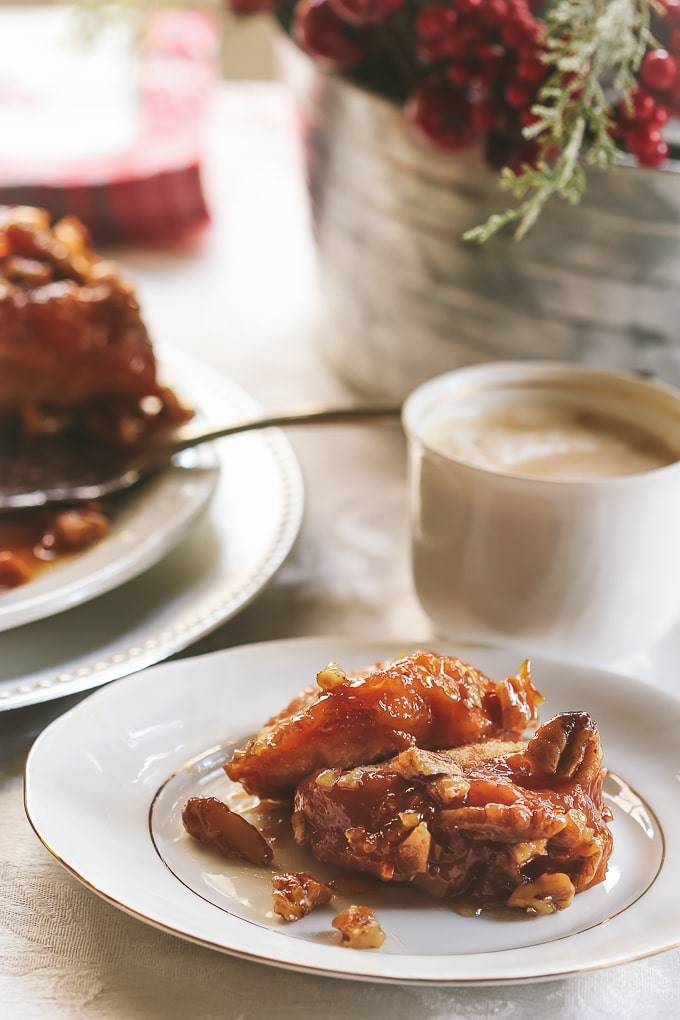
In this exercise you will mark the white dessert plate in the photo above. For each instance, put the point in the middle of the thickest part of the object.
(225, 558)
(149, 521)
(106, 782)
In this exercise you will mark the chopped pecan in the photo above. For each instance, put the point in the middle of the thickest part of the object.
(212, 822)
(360, 839)
(522, 853)
(327, 777)
(576, 836)
(509, 823)
(449, 789)
(413, 853)
(28, 272)
(545, 895)
(416, 763)
(349, 780)
(297, 894)
(359, 928)
(330, 676)
(477, 756)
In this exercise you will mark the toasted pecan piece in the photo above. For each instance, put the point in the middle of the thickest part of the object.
(212, 822)
(359, 928)
(297, 893)
(545, 895)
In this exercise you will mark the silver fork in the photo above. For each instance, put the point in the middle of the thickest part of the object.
(45, 491)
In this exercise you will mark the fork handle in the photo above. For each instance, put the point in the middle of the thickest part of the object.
(304, 416)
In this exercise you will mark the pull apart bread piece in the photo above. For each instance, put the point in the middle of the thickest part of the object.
(424, 700)
(503, 821)
(74, 352)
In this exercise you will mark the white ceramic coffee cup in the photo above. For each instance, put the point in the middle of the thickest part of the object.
(587, 570)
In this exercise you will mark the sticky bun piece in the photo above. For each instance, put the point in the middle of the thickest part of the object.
(502, 821)
(75, 355)
(423, 700)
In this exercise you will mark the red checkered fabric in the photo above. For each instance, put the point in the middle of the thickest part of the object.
(152, 191)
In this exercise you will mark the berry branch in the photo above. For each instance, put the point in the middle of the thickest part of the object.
(594, 48)
(546, 89)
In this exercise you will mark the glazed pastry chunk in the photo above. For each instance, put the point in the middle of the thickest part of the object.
(74, 352)
(503, 821)
(425, 699)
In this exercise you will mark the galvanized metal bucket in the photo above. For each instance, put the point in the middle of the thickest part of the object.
(403, 297)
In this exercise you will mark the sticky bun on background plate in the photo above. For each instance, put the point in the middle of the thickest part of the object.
(78, 376)
(417, 772)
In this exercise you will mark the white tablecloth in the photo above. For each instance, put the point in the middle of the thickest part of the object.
(242, 298)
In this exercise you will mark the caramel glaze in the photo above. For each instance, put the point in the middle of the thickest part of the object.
(32, 540)
(424, 699)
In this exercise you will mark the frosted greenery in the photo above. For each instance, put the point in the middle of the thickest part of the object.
(595, 48)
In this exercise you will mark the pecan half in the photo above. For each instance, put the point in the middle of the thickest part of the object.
(567, 746)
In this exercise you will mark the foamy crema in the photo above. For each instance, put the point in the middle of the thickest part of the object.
(548, 438)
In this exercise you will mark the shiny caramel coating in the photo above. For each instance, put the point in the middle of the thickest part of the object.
(424, 700)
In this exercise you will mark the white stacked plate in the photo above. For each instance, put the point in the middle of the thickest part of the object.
(186, 551)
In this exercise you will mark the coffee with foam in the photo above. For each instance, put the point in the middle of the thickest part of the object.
(552, 440)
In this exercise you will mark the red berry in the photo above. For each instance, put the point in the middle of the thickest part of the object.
(365, 12)
(468, 6)
(639, 137)
(320, 32)
(512, 35)
(658, 70)
(517, 95)
(672, 10)
(642, 107)
(527, 118)
(647, 144)
(433, 22)
(653, 155)
(531, 70)
(440, 115)
(458, 75)
(496, 11)
(482, 118)
(674, 41)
